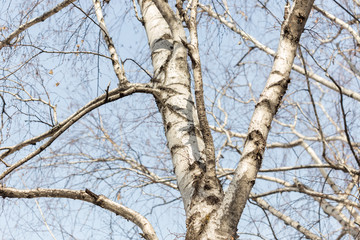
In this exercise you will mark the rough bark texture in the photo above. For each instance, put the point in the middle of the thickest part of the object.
(166, 36)
(209, 215)
(118, 69)
(194, 54)
(224, 224)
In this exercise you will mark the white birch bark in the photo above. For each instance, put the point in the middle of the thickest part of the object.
(166, 36)
(118, 69)
(223, 225)
(175, 100)
(210, 213)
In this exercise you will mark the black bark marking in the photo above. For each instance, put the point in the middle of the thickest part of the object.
(252, 182)
(282, 82)
(300, 19)
(163, 43)
(170, 91)
(259, 141)
(176, 110)
(175, 147)
(168, 126)
(289, 34)
(257, 156)
(276, 72)
(190, 227)
(177, 83)
(286, 31)
(265, 102)
(192, 166)
(212, 200)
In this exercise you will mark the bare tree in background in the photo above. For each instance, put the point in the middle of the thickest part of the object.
(176, 150)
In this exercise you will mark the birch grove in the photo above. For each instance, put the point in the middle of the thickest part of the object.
(194, 120)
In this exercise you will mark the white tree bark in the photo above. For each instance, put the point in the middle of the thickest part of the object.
(209, 216)
(210, 213)
(200, 193)
(119, 69)
(223, 225)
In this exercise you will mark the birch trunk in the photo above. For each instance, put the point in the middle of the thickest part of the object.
(224, 223)
(211, 214)
(176, 104)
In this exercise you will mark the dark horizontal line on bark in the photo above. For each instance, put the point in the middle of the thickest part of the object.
(267, 104)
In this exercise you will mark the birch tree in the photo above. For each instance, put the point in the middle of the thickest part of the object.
(97, 117)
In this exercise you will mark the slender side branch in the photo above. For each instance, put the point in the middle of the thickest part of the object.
(119, 69)
(340, 90)
(34, 21)
(194, 54)
(55, 132)
(340, 22)
(286, 219)
(302, 189)
(333, 166)
(348, 61)
(347, 224)
(87, 196)
(266, 49)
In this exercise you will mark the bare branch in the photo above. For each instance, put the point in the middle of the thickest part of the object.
(119, 69)
(34, 21)
(194, 54)
(87, 196)
(262, 47)
(286, 219)
(55, 132)
(340, 22)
